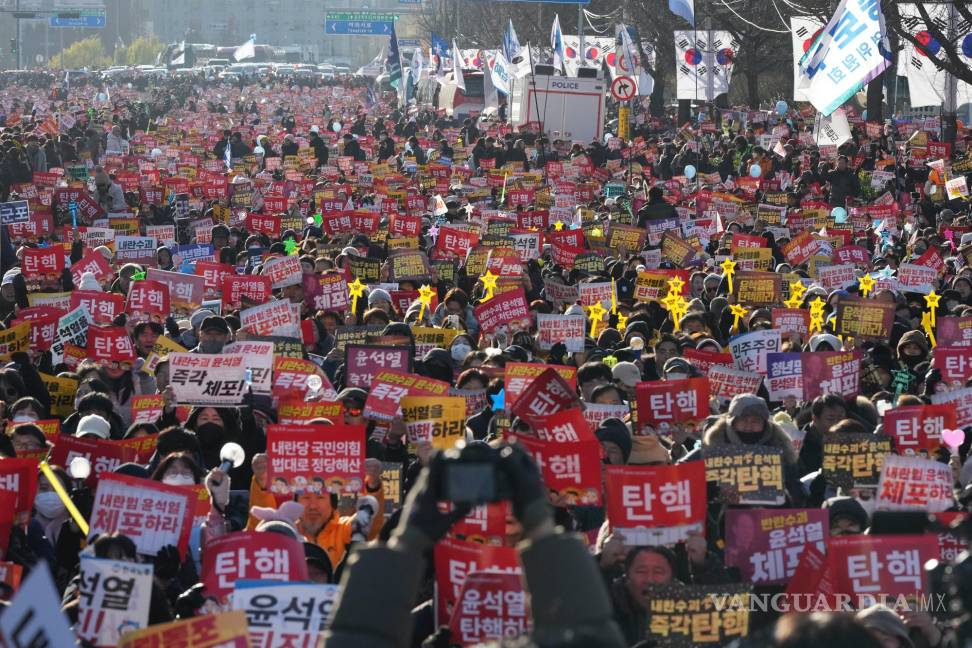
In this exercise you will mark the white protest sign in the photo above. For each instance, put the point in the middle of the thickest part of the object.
(283, 271)
(34, 617)
(208, 378)
(259, 360)
(293, 613)
(914, 484)
(71, 329)
(276, 317)
(568, 329)
(833, 130)
(749, 351)
(114, 598)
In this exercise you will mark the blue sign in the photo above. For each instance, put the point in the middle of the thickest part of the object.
(358, 27)
(409, 42)
(15, 211)
(94, 20)
(193, 252)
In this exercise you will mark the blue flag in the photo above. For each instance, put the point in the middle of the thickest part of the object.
(440, 50)
(511, 44)
(393, 64)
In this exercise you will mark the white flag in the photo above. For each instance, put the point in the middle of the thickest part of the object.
(499, 71)
(644, 82)
(457, 67)
(490, 98)
(926, 82)
(802, 31)
(247, 50)
(832, 130)
(521, 65)
(850, 51)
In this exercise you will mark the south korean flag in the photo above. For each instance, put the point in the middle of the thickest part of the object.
(703, 62)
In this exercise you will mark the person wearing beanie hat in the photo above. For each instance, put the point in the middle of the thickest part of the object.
(615, 440)
(847, 516)
(380, 298)
(748, 422)
(887, 627)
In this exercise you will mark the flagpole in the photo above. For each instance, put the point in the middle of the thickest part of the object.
(536, 107)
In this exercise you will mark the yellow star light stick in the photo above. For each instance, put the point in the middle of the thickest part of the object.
(931, 301)
(355, 290)
(816, 323)
(728, 268)
(928, 323)
(865, 284)
(489, 284)
(595, 313)
(817, 308)
(738, 312)
(622, 322)
(614, 297)
(797, 290)
(61, 493)
(559, 225)
(425, 300)
(675, 285)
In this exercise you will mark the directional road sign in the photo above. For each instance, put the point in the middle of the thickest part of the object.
(359, 23)
(86, 19)
(623, 88)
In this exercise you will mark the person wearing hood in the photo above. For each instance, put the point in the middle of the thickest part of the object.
(847, 516)
(214, 427)
(748, 423)
(912, 351)
(108, 193)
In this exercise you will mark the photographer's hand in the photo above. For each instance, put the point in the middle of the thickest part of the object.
(529, 493)
(422, 523)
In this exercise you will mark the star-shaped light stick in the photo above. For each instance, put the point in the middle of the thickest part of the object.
(675, 285)
(489, 284)
(931, 301)
(559, 225)
(595, 313)
(355, 290)
(622, 322)
(865, 284)
(425, 300)
(928, 324)
(738, 312)
(728, 268)
(614, 297)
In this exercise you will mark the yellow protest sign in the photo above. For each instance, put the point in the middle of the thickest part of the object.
(62, 391)
(439, 419)
(14, 340)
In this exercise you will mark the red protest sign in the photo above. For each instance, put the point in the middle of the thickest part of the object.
(110, 344)
(766, 544)
(255, 289)
(651, 505)
(93, 262)
(42, 263)
(880, 565)
(485, 524)
(567, 426)
(43, 324)
(19, 477)
(264, 224)
(490, 607)
(389, 387)
(705, 360)
(455, 240)
(954, 331)
(152, 514)
(507, 308)
(103, 455)
(955, 363)
(148, 300)
(547, 394)
(830, 372)
(185, 291)
(455, 560)
(333, 293)
(917, 429)
(103, 307)
(248, 555)
(364, 361)
(315, 458)
(213, 273)
(290, 378)
(791, 320)
(571, 469)
(663, 402)
(518, 375)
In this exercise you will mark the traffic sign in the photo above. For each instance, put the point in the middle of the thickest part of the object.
(623, 88)
(359, 23)
(94, 19)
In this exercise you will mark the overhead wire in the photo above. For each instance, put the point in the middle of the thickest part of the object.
(751, 23)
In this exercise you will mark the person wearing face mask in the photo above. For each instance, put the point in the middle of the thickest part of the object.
(912, 350)
(462, 345)
(214, 333)
(215, 427)
(27, 410)
(178, 469)
(455, 307)
(51, 534)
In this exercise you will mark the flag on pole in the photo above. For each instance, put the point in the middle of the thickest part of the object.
(393, 64)
(684, 9)
(824, 75)
(247, 50)
(417, 64)
(440, 52)
(511, 44)
(628, 53)
(557, 44)
(490, 97)
(460, 81)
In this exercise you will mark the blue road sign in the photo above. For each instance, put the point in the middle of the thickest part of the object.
(358, 28)
(94, 20)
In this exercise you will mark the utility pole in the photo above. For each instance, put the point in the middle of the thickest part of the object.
(580, 34)
(950, 109)
(19, 48)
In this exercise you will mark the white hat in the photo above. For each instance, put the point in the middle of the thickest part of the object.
(575, 309)
(377, 295)
(8, 276)
(88, 282)
(315, 129)
(94, 425)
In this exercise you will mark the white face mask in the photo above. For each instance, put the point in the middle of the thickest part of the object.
(178, 480)
(460, 351)
(24, 418)
(49, 504)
